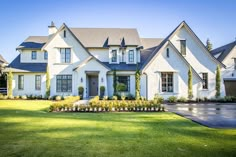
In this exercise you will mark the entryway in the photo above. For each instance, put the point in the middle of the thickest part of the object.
(230, 87)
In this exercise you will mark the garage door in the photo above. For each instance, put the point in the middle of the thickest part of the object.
(230, 87)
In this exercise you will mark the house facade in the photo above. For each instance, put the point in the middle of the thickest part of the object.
(88, 57)
(227, 55)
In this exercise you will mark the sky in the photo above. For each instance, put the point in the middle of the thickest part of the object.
(213, 19)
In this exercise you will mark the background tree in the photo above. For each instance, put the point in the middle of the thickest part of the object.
(9, 83)
(218, 82)
(208, 45)
(114, 82)
(47, 83)
(137, 84)
(190, 83)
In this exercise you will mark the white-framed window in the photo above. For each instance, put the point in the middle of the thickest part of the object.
(131, 56)
(20, 82)
(45, 55)
(65, 55)
(37, 82)
(205, 80)
(114, 56)
(183, 47)
(167, 84)
(33, 55)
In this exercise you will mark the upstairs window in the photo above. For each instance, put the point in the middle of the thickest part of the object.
(64, 33)
(45, 55)
(114, 56)
(34, 55)
(183, 47)
(205, 80)
(65, 55)
(131, 56)
(167, 53)
(20, 82)
(167, 82)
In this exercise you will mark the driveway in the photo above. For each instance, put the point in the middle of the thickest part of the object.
(215, 115)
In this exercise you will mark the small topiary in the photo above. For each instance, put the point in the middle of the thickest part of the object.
(58, 98)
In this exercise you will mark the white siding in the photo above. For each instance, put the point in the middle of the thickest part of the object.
(101, 54)
(26, 57)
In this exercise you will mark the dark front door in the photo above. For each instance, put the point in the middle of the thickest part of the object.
(93, 85)
(230, 87)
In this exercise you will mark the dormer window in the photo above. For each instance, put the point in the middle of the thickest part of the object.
(64, 33)
(131, 56)
(183, 47)
(114, 56)
(45, 55)
(34, 55)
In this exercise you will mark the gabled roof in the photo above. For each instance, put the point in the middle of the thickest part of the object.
(33, 42)
(150, 42)
(104, 37)
(223, 51)
(155, 51)
(17, 66)
(2, 60)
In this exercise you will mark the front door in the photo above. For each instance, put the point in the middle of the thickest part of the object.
(93, 85)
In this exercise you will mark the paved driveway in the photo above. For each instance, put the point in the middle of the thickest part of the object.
(212, 115)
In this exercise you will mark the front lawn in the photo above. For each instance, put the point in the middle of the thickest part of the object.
(27, 129)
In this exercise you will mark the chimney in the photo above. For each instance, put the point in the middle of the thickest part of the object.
(52, 29)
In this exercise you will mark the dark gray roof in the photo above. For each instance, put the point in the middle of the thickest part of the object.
(223, 51)
(103, 37)
(33, 42)
(16, 66)
(122, 66)
(2, 60)
(150, 42)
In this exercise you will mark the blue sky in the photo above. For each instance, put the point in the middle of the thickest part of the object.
(153, 18)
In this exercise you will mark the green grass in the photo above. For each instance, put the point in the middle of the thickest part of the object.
(26, 129)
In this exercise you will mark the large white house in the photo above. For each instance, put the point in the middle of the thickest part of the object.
(227, 55)
(87, 57)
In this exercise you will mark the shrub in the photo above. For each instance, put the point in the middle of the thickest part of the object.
(102, 91)
(114, 97)
(10, 97)
(105, 98)
(159, 98)
(172, 99)
(123, 97)
(81, 92)
(182, 99)
(24, 97)
(17, 97)
(58, 98)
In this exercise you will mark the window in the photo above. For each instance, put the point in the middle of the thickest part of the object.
(124, 80)
(183, 47)
(21, 82)
(37, 82)
(131, 55)
(234, 63)
(114, 56)
(64, 33)
(64, 83)
(167, 53)
(205, 80)
(65, 55)
(167, 82)
(34, 55)
(45, 55)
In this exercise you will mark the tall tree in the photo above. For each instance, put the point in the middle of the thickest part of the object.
(9, 83)
(137, 84)
(190, 83)
(208, 45)
(47, 83)
(218, 81)
(114, 82)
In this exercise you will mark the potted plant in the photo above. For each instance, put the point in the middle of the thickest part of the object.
(81, 92)
(102, 91)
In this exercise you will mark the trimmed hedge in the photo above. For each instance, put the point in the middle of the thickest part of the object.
(66, 104)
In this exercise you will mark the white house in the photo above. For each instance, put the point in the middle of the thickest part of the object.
(227, 55)
(87, 57)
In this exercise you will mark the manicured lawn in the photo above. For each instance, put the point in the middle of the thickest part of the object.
(27, 130)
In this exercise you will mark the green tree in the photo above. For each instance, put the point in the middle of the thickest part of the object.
(218, 82)
(137, 84)
(208, 45)
(190, 83)
(114, 82)
(9, 83)
(47, 83)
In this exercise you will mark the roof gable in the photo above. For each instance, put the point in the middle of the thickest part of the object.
(33, 42)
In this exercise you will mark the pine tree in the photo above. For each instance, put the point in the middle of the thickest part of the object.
(114, 82)
(137, 84)
(190, 84)
(208, 45)
(217, 82)
(47, 83)
(9, 82)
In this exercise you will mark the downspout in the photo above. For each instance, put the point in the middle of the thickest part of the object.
(146, 84)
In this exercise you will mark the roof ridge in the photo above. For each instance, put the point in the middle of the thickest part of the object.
(99, 28)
